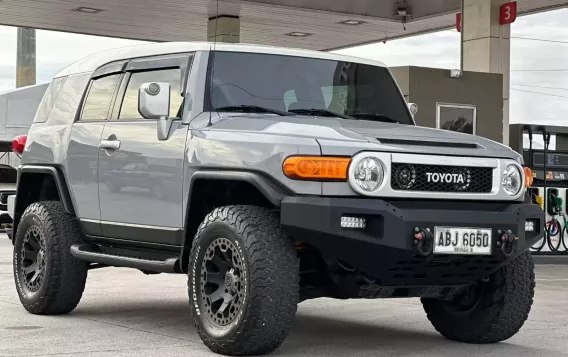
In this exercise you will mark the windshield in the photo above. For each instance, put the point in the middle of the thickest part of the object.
(304, 86)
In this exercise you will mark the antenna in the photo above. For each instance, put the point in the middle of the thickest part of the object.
(212, 61)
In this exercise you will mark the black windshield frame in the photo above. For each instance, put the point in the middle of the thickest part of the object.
(394, 103)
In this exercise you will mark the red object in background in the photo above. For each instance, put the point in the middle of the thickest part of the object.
(19, 143)
(508, 13)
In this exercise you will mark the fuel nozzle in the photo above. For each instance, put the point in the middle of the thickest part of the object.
(539, 200)
(508, 242)
(535, 197)
(424, 241)
(554, 202)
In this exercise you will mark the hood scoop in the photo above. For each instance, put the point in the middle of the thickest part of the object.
(429, 143)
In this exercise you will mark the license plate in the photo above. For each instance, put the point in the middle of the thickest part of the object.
(467, 241)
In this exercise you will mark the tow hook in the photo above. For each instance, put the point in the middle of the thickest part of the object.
(424, 241)
(507, 241)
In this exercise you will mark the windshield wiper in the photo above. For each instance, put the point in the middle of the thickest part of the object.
(374, 116)
(252, 109)
(319, 112)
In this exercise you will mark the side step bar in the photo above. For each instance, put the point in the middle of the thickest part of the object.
(91, 254)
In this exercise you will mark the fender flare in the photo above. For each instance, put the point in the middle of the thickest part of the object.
(267, 186)
(272, 191)
(60, 184)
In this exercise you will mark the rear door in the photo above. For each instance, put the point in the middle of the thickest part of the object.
(140, 177)
(85, 136)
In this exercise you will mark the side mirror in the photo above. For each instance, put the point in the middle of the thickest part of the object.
(413, 107)
(154, 103)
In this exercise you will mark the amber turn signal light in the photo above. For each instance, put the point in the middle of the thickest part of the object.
(316, 167)
(528, 176)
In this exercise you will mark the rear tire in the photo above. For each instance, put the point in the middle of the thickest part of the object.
(241, 257)
(498, 312)
(49, 280)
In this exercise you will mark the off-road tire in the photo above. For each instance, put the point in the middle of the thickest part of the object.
(272, 283)
(64, 279)
(501, 311)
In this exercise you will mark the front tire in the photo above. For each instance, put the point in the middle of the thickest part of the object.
(243, 281)
(49, 280)
(488, 312)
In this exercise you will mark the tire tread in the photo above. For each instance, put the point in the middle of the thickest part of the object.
(502, 314)
(273, 281)
(66, 276)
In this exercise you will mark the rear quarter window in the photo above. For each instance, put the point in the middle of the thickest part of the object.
(48, 99)
(65, 107)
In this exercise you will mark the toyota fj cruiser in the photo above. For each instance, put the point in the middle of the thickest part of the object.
(269, 176)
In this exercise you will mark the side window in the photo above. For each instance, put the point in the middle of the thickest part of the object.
(48, 99)
(99, 98)
(69, 98)
(129, 109)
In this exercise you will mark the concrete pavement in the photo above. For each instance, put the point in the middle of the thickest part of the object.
(126, 313)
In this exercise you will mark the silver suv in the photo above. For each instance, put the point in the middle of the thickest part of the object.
(269, 176)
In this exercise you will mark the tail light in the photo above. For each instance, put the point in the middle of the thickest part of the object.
(19, 143)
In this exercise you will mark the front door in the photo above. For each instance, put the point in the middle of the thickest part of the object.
(140, 178)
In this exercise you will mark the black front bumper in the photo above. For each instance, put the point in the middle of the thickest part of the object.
(386, 249)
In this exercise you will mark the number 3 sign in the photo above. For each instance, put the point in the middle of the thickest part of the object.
(508, 13)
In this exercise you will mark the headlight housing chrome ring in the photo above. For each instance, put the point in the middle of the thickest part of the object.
(368, 174)
(512, 180)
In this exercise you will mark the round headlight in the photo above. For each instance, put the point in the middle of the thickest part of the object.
(512, 180)
(368, 174)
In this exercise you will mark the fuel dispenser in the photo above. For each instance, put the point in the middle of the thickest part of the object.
(550, 180)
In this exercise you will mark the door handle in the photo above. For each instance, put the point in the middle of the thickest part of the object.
(110, 144)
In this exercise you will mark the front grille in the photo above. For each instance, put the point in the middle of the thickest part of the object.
(439, 178)
(428, 143)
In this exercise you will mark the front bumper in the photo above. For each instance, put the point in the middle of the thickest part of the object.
(386, 249)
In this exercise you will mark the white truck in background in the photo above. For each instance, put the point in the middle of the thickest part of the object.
(17, 110)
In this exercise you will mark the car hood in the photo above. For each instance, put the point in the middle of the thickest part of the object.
(358, 135)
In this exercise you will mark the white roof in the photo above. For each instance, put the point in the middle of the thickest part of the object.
(94, 61)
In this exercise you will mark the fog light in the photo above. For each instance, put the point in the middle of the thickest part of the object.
(529, 226)
(353, 222)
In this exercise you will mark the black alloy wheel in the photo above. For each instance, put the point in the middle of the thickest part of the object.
(223, 280)
(33, 256)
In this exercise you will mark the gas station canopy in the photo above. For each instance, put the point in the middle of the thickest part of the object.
(314, 24)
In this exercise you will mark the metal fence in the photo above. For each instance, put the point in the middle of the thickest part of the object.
(9, 158)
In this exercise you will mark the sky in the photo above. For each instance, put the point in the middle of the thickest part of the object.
(537, 94)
